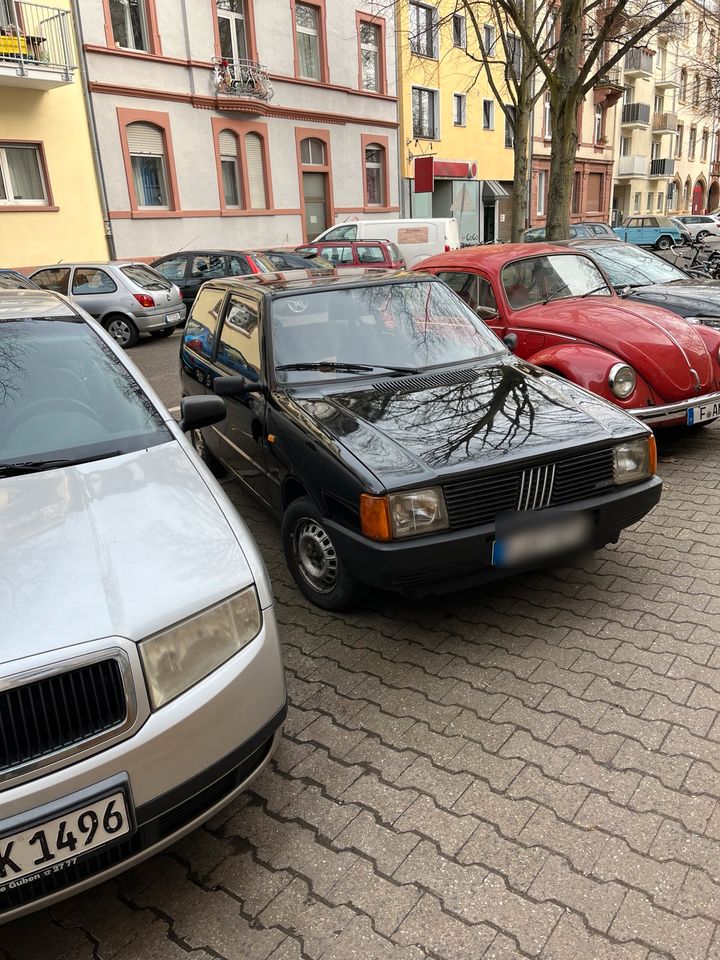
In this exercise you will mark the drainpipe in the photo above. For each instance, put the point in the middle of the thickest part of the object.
(92, 128)
(400, 128)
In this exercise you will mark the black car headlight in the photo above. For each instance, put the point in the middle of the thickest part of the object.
(634, 460)
(405, 514)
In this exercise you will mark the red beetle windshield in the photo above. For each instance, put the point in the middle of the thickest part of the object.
(551, 277)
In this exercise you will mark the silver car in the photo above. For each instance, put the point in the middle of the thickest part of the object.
(141, 682)
(126, 298)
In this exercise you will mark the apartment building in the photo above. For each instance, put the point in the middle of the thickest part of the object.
(50, 206)
(241, 123)
(455, 144)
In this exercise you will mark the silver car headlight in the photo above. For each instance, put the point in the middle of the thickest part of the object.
(417, 511)
(181, 656)
(634, 460)
(622, 380)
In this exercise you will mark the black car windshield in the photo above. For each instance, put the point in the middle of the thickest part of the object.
(64, 396)
(629, 266)
(554, 277)
(411, 325)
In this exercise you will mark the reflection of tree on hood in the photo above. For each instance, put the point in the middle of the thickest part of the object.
(14, 348)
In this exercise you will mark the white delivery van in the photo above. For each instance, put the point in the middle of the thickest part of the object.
(416, 239)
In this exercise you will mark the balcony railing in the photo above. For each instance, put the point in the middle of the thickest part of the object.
(611, 77)
(662, 168)
(664, 122)
(632, 166)
(636, 113)
(35, 45)
(639, 61)
(715, 168)
(242, 78)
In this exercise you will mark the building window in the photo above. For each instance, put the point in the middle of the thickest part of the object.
(423, 30)
(696, 90)
(514, 53)
(625, 146)
(704, 145)
(547, 122)
(146, 146)
(129, 23)
(307, 30)
(313, 152)
(488, 114)
(375, 175)
(230, 168)
(509, 126)
(679, 140)
(661, 202)
(637, 200)
(541, 192)
(459, 34)
(232, 29)
(489, 39)
(424, 113)
(370, 62)
(21, 177)
(593, 196)
(459, 109)
(598, 123)
(691, 143)
(683, 85)
(255, 159)
(650, 198)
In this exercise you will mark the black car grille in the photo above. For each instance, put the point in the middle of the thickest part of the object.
(479, 499)
(56, 712)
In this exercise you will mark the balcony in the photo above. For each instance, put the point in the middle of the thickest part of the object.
(609, 86)
(662, 168)
(715, 168)
(666, 80)
(672, 27)
(632, 167)
(664, 123)
(639, 63)
(36, 49)
(242, 78)
(636, 115)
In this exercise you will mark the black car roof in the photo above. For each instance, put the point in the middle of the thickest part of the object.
(287, 281)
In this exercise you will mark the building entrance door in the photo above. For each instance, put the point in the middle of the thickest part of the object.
(315, 199)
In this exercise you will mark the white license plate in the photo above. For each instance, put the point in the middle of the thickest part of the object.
(706, 411)
(537, 542)
(172, 317)
(44, 848)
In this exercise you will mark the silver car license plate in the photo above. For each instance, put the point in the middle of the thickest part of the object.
(172, 317)
(42, 848)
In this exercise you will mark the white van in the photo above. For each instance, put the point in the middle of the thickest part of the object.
(416, 239)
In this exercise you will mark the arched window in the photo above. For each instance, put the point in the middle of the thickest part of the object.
(230, 168)
(255, 156)
(687, 203)
(146, 146)
(683, 83)
(375, 174)
(312, 151)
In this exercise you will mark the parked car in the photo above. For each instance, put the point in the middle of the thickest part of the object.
(141, 684)
(563, 315)
(127, 299)
(658, 232)
(191, 268)
(14, 280)
(415, 239)
(700, 226)
(639, 274)
(398, 439)
(357, 253)
(684, 235)
(589, 229)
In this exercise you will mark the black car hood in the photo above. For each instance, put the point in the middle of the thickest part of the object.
(690, 298)
(405, 432)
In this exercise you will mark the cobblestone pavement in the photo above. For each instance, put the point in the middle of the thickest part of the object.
(528, 771)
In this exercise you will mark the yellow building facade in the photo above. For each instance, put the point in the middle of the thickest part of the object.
(449, 113)
(50, 207)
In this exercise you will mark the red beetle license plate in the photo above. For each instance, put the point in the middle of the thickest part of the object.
(703, 412)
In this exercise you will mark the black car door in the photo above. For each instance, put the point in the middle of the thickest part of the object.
(202, 267)
(243, 430)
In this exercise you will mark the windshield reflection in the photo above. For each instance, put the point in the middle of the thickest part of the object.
(632, 266)
(555, 277)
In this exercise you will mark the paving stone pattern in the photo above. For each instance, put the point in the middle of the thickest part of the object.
(530, 770)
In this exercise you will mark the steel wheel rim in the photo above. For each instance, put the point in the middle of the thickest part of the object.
(315, 555)
(120, 331)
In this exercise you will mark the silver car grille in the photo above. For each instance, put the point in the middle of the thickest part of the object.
(536, 488)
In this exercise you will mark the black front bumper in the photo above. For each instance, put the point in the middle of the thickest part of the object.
(453, 560)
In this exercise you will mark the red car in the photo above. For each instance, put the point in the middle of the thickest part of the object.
(555, 308)
(357, 253)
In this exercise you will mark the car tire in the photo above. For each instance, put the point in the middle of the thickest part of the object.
(663, 243)
(313, 560)
(161, 334)
(701, 235)
(122, 330)
(205, 453)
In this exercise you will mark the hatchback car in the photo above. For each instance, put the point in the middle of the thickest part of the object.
(700, 226)
(400, 441)
(141, 685)
(658, 232)
(562, 314)
(14, 280)
(357, 253)
(590, 229)
(127, 299)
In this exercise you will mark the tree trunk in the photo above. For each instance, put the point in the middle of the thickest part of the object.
(520, 174)
(563, 121)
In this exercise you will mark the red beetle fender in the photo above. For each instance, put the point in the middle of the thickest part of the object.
(589, 366)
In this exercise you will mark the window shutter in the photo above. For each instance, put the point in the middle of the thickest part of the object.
(145, 138)
(228, 144)
(255, 171)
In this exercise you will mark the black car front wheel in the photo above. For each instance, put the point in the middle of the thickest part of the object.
(313, 559)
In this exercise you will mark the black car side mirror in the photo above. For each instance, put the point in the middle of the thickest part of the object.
(510, 340)
(198, 412)
(236, 386)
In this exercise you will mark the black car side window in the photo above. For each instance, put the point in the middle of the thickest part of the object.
(239, 348)
(200, 331)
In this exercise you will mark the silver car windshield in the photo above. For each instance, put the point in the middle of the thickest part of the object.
(65, 396)
(553, 277)
(629, 266)
(400, 326)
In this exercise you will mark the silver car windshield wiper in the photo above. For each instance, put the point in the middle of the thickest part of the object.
(38, 466)
(328, 366)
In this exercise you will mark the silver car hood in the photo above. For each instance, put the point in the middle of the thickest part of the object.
(119, 547)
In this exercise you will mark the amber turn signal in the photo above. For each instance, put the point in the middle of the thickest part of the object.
(375, 517)
(652, 454)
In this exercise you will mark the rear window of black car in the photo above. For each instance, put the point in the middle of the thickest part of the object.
(145, 277)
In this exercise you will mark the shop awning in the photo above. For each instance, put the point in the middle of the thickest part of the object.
(491, 188)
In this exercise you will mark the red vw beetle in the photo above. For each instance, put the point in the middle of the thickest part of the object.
(556, 309)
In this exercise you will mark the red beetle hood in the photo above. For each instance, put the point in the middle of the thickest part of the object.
(660, 346)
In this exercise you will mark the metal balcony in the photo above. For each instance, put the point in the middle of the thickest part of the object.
(636, 115)
(666, 81)
(36, 48)
(715, 168)
(632, 167)
(611, 77)
(662, 168)
(639, 63)
(664, 123)
(242, 78)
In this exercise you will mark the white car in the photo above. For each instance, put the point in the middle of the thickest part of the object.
(141, 681)
(700, 226)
